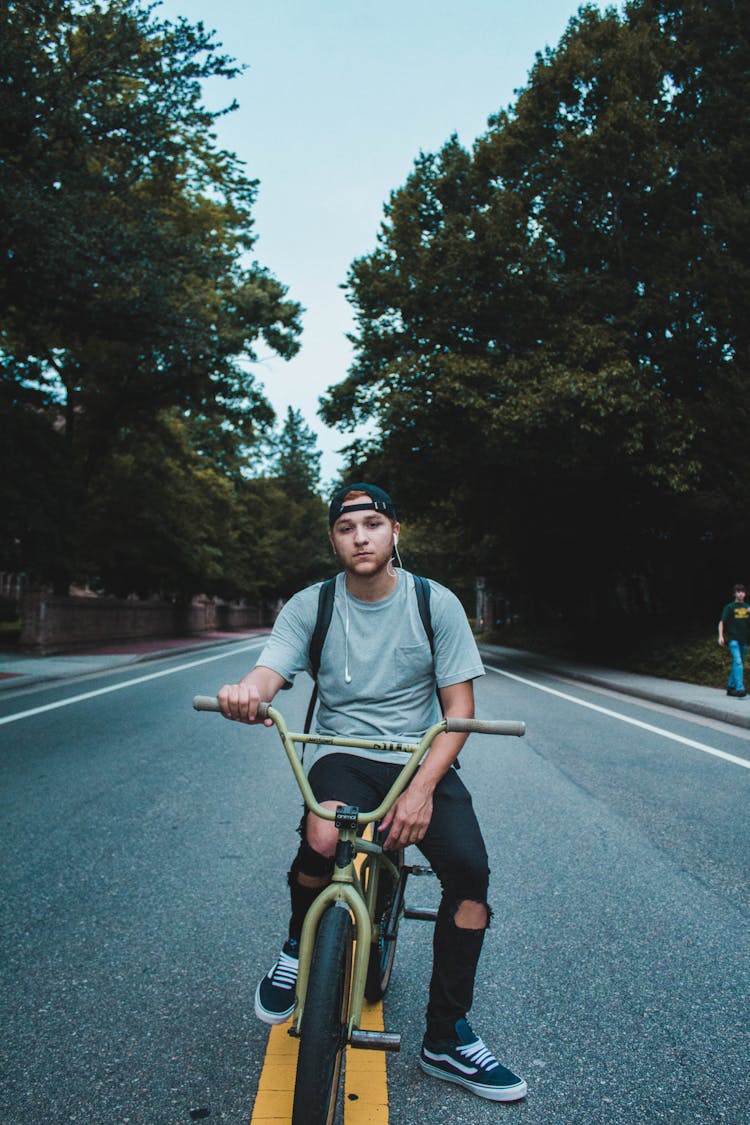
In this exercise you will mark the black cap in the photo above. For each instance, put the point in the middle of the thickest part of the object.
(380, 501)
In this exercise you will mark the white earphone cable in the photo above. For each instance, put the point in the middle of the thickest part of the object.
(347, 675)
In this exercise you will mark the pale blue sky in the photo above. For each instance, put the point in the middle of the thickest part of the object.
(338, 100)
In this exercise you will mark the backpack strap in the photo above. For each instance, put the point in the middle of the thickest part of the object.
(325, 613)
(322, 622)
(422, 590)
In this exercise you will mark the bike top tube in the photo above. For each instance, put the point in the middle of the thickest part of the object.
(415, 750)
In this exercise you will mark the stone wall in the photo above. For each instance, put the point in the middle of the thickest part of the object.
(51, 623)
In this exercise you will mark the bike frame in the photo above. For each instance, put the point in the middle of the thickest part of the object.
(346, 885)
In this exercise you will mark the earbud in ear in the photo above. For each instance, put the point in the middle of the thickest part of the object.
(395, 540)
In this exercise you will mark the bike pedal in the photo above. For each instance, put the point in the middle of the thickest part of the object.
(375, 1040)
(424, 914)
(416, 869)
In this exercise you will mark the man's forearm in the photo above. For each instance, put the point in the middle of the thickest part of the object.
(441, 756)
(265, 680)
(240, 701)
(458, 703)
(408, 819)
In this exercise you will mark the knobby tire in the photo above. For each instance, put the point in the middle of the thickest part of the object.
(324, 1020)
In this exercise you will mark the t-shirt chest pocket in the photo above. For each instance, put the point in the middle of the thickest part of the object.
(414, 661)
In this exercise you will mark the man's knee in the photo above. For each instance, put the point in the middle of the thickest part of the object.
(310, 867)
(320, 835)
(466, 885)
(472, 915)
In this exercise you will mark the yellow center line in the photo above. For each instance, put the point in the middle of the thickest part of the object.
(273, 1102)
(365, 1079)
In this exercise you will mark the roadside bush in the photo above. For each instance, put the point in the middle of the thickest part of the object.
(8, 609)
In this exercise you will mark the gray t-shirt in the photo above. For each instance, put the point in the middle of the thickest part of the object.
(385, 654)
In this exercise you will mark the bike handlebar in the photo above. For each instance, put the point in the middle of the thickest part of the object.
(415, 751)
(452, 725)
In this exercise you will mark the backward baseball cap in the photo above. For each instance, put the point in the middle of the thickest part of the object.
(379, 501)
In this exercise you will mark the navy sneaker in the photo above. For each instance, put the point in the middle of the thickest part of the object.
(275, 995)
(467, 1061)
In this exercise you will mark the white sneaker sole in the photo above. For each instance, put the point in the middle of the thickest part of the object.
(492, 1093)
(270, 1017)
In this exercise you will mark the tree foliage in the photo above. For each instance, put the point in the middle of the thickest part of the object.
(127, 290)
(162, 518)
(297, 458)
(550, 333)
(32, 466)
(297, 525)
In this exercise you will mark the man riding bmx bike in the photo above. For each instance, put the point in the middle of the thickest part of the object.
(378, 676)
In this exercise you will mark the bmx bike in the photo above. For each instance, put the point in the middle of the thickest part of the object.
(348, 941)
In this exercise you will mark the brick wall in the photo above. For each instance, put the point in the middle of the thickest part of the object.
(52, 623)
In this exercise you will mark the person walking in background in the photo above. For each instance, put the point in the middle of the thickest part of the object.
(734, 628)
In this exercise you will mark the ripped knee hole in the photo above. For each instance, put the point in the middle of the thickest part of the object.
(310, 868)
(471, 914)
(304, 880)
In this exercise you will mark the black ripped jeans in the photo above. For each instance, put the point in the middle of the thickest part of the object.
(454, 848)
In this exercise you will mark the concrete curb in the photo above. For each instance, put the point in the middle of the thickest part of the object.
(667, 693)
(111, 661)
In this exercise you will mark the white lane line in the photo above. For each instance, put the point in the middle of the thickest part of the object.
(625, 718)
(127, 684)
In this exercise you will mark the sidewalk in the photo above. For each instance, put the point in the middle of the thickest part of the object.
(710, 702)
(23, 670)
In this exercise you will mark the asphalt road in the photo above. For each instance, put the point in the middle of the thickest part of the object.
(145, 849)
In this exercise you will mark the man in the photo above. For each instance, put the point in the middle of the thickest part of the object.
(377, 678)
(733, 631)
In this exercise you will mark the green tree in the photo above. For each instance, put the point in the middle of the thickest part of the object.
(159, 518)
(125, 234)
(32, 465)
(544, 336)
(300, 537)
(296, 456)
(237, 537)
(280, 542)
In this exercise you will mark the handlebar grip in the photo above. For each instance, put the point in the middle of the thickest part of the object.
(211, 703)
(206, 703)
(484, 726)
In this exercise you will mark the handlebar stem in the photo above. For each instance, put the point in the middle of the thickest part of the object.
(416, 751)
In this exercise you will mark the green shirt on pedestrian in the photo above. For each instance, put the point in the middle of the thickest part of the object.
(736, 618)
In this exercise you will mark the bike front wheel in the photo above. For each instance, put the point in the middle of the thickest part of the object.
(324, 1021)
